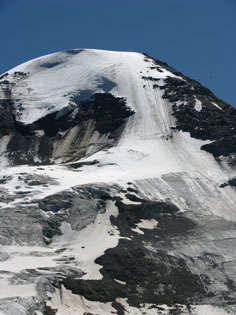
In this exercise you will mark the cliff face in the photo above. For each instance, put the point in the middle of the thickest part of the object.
(117, 189)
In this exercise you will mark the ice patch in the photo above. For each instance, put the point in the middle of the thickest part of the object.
(147, 224)
(198, 105)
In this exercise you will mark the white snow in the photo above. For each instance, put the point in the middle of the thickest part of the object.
(3, 146)
(8, 290)
(21, 258)
(216, 105)
(91, 242)
(198, 105)
(147, 224)
(209, 310)
(121, 282)
(46, 90)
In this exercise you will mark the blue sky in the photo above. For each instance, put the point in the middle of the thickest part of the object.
(196, 37)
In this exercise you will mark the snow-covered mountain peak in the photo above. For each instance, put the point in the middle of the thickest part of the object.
(49, 82)
(117, 189)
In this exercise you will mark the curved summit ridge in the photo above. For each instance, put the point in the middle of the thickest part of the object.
(117, 189)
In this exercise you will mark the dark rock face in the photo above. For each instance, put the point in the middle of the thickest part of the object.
(216, 120)
(103, 113)
(156, 278)
(38, 228)
(6, 119)
(50, 124)
(231, 182)
(224, 146)
(141, 268)
(107, 111)
(72, 126)
(79, 207)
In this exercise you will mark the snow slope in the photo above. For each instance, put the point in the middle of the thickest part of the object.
(47, 88)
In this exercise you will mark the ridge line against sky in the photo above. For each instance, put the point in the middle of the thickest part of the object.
(195, 37)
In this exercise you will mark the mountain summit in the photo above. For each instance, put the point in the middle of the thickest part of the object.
(117, 189)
